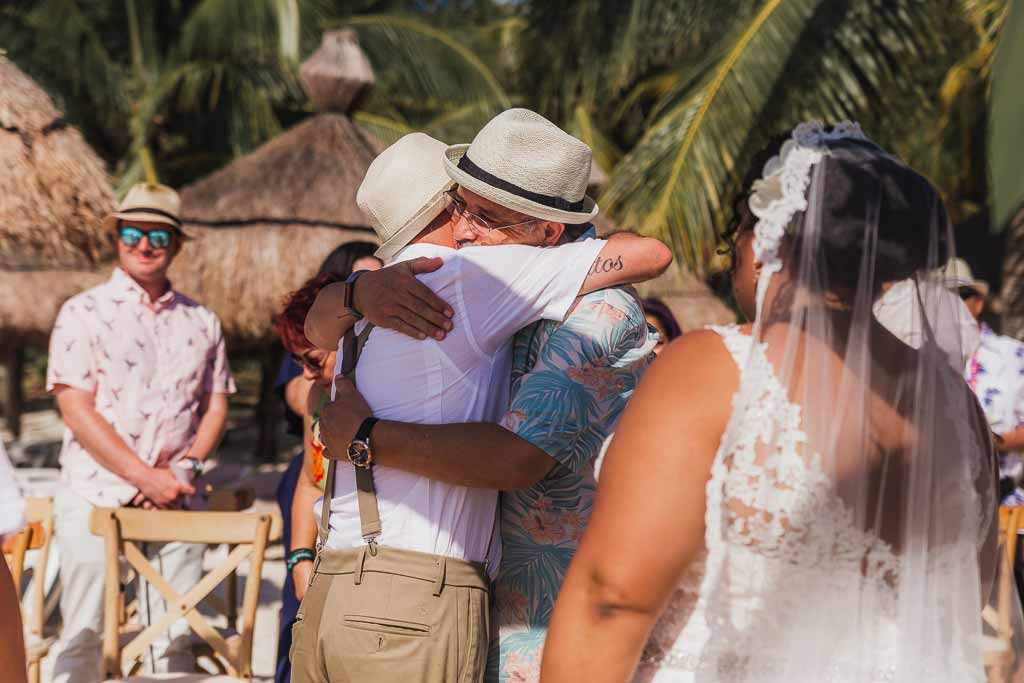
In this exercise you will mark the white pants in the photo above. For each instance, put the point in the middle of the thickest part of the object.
(81, 599)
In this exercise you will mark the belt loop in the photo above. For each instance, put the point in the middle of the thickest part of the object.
(442, 565)
(359, 565)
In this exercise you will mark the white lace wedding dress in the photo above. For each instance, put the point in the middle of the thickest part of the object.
(767, 571)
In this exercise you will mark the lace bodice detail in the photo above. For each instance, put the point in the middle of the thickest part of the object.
(802, 522)
(766, 555)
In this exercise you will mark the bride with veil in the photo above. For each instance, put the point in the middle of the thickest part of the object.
(808, 497)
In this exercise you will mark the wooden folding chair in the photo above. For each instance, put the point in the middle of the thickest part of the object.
(39, 512)
(228, 500)
(15, 548)
(122, 529)
(998, 649)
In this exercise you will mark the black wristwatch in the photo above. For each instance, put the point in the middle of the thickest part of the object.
(350, 294)
(359, 452)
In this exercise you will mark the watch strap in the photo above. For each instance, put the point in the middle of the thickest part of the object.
(350, 294)
(363, 433)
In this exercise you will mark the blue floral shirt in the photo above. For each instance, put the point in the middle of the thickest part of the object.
(570, 382)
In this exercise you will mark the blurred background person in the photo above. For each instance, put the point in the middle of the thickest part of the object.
(141, 377)
(995, 373)
(295, 383)
(659, 316)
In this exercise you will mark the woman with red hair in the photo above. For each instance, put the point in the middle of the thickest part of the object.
(305, 384)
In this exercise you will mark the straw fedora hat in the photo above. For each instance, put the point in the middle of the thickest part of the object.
(957, 274)
(149, 202)
(524, 162)
(404, 190)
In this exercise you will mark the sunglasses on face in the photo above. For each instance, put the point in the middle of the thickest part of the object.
(479, 224)
(158, 239)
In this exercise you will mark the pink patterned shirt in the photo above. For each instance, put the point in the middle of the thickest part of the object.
(149, 366)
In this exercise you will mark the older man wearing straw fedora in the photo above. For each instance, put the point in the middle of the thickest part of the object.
(141, 378)
(522, 181)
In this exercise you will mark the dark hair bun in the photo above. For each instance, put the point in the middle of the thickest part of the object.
(863, 186)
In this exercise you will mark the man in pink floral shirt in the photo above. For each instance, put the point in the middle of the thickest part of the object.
(141, 378)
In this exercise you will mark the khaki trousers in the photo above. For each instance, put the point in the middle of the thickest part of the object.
(394, 616)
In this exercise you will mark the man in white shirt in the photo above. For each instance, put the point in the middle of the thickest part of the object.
(493, 292)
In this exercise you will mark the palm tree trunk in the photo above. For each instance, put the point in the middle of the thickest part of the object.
(1013, 279)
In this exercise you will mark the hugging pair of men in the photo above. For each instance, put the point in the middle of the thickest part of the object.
(504, 347)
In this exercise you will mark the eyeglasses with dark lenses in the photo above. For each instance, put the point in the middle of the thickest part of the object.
(158, 239)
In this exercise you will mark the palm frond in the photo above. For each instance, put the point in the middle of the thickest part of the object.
(672, 183)
(264, 30)
(387, 130)
(1006, 121)
(410, 37)
(793, 59)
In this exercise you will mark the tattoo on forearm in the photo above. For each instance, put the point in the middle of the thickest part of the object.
(606, 265)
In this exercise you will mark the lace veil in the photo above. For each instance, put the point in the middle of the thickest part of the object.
(854, 496)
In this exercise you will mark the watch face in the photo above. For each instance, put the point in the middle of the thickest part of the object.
(359, 452)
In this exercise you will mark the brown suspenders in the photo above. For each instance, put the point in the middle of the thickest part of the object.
(369, 515)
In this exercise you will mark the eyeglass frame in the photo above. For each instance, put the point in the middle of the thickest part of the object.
(457, 205)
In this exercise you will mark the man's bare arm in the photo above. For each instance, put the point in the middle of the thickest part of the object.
(214, 409)
(627, 258)
(477, 454)
(103, 443)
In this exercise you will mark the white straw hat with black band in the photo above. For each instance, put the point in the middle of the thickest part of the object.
(149, 203)
(404, 190)
(523, 162)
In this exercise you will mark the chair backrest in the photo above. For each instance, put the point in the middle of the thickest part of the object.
(123, 528)
(1011, 521)
(15, 547)
(39, 512)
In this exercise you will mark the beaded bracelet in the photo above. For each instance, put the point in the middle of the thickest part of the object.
(298, 555)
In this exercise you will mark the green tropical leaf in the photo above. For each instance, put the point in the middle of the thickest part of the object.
(792, 60)
(1006, 120)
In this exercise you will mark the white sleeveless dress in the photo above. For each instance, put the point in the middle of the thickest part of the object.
(740, 596)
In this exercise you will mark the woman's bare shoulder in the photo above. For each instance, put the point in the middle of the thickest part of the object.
(699, 357)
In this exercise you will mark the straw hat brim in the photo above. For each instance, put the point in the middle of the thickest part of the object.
(401, 239)
(512, 201)
(110, 221)
(979, 286)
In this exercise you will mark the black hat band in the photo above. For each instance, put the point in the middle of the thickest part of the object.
(469, 168)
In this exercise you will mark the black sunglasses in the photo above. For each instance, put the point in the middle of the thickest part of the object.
(158, 239)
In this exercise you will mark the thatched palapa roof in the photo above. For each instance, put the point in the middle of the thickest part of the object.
(54, 190)
(265, 222)
(27, 316)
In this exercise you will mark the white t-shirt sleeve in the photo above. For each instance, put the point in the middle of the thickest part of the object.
(508, 287)
(12, 505)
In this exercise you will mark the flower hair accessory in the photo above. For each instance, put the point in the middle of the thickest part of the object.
(781, 191)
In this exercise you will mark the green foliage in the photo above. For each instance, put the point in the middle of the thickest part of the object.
(672, 95)
(875, 61)
(1007, 121)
